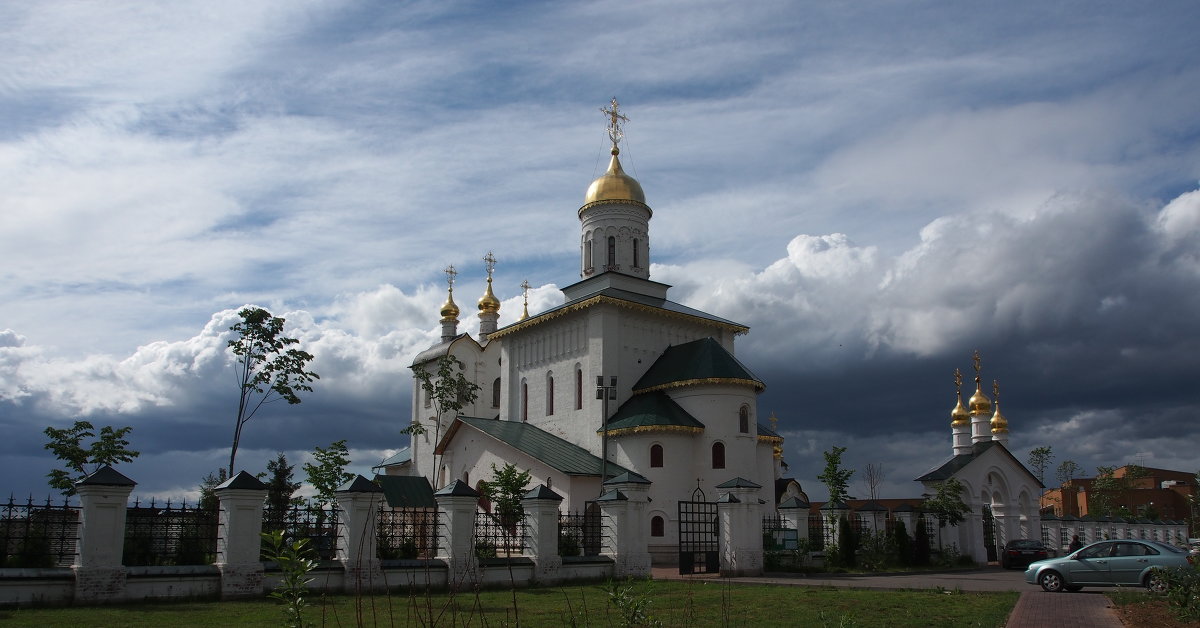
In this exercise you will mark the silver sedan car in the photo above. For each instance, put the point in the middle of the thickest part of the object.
(1124, 562)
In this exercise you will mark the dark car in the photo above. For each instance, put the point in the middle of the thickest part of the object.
(1021, 552)
(1123, 562)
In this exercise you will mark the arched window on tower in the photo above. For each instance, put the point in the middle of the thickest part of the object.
(587, 255)
(524, 400)
(636, 254)
(549, 394)
(744, 419)
(612, 251)
(657, 526)
(578, 388)
(718, 455)
(656, 455)
(496, 393)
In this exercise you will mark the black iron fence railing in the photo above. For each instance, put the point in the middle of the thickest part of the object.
(38, 534)
(302, 521)
(408, 532)
(169, 534)
(499, 536)
(580, 533)
(778, 534)
(816, 532)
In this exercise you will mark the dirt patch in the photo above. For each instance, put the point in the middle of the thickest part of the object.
(1150, 614)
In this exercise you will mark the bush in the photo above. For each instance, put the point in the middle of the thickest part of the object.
(568, 545)
(903, 544)
(1183, 591)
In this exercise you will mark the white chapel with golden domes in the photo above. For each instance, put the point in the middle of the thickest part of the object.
(681, 409)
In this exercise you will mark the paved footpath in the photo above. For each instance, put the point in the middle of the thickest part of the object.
(1034, 609)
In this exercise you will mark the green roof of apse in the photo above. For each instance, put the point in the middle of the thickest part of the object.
(651, 409)
(696, 362)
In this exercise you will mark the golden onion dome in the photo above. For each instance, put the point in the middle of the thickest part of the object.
(615, 185)
(999, 423)
(449, 308)
(959, 416)
(979, 402)
(488, 302)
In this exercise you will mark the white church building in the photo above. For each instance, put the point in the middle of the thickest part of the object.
(677, 409)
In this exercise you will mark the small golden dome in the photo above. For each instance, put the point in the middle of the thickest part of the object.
(999, 423)
(959, 416)
(615, 185)
(449, 308)
(979, 402)
(488, 302)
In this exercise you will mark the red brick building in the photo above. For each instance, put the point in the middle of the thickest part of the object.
(1160, 491)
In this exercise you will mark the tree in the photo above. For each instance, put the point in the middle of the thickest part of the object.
(1040, 459)
(1100, 497)
(834, 476)
(280, 486)
(208, 486)
(267, 369)
(505, 490)
(947, 505)
(873, 476)
(109, 448)
(448, 391)
(329, 472)
(1067, 470)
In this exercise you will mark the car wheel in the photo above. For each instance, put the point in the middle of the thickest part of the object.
(1051, 582)
(1156, 584)
(1073, 588)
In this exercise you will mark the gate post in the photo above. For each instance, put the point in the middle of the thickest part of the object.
(795, 512)
(357, 541)
(239, 545)
(99, 574)
(541, 505)
(624, 508)
(457, 503)
(741, 528)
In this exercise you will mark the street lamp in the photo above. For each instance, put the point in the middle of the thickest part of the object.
(605, 393)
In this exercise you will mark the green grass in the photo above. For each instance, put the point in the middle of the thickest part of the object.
(675, 603)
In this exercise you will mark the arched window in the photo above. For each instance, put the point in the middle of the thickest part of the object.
(549, 482)
(718, 455)
(524, 400)
(636, 257)
(656, 455)
(442, 476)
(578, 388)
(587, 254)
(612, 251)
(744, 419)
(496, 393)
(549, 394)
(656, 526)
(428, 399)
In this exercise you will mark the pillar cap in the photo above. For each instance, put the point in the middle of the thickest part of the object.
(629, 477)
(242, 480)
(613, 496)
(739, 482)
(541, 491)
(457, 488)
(359, 484)
(106, 476)
(728, 498)
(794, 502)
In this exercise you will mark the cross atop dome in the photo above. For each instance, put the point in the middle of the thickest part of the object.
(616, 123)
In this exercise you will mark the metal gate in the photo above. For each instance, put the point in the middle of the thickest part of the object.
(698, 536)
(989, 534)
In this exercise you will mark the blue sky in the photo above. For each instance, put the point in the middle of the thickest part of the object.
(876, 188)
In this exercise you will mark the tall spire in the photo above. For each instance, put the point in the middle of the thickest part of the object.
(449, 309)
(999, 423)
(525, 293)
(489, 305)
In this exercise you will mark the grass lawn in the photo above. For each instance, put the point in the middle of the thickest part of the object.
(674, 603)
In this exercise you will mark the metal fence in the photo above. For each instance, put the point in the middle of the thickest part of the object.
(499, 536)
(38, 534)
(408, 532)
(169, 534)
(778, 534)
(816, 532)
(580, 533)
(317, 524)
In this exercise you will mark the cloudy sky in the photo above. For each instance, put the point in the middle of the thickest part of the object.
(875, 188)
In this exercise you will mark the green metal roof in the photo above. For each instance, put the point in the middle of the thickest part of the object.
(543, 446)
(696, 361)
(400, 457)
(766, 431)
(651, 409)
(956, 464)
(411, 491)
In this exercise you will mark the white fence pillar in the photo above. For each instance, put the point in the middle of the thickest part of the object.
(99, 574)
(623, 508)
(740, 515)
(541, 509)
(457, 504)
(239, 543)
(358, 539)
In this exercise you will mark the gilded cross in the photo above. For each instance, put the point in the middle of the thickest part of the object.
(489, 261)
(450, 273)
(957, 380)
(525, 290)
(615, 121)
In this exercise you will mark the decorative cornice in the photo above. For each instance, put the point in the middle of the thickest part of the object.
(602, 299)
(649, 429)
(704, 380)
(770, 439)
(615, 201)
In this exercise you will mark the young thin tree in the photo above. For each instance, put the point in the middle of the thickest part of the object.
(834, 476)
(268, 368)
(947, 505)
(448, 391)
(109, 448)
(329, 472)
(1067, 470)
(1039, 460)
(873, 477)
(505, 490)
